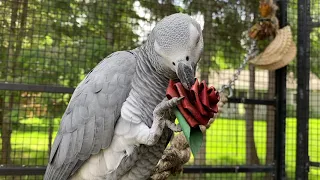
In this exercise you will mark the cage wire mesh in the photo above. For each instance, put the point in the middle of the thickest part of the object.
(56, 43)
(314, 100)
(291, 123)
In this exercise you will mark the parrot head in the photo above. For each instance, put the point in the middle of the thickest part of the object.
(178, 44)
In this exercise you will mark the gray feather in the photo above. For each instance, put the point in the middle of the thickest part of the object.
(71, 151)
(79, 141)
(87, 140)
(54, 148)
(62, 153)
(98, 136)
(89, 120)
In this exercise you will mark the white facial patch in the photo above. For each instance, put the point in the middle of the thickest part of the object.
(184, 48)
(158, 49)
(194, 35)
(170, 57)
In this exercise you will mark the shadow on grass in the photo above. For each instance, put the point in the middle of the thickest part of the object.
(27, 177)
(221, 176)
(32, 128)
(28, 157)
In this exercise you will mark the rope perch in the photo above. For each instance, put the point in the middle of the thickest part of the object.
(173, 159)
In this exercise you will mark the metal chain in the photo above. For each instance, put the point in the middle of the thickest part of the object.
(252, 52)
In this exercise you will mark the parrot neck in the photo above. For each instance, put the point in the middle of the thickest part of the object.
(148, 89)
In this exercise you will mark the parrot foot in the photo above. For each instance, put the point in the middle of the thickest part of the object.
(160, 120)
(164, 108)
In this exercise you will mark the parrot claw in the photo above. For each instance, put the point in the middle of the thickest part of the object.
(167, 105)
(174, 127)
(179, 99)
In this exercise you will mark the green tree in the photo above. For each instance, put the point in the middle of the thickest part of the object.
(56, 43)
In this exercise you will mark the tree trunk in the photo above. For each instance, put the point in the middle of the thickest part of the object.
(22, 30)
(14, 49)
(270, 119)
(5, 132)
(251, 150)
(110, 29)
(6, 121)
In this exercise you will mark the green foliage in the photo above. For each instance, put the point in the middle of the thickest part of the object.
(315, 39)
(61, 34)
(291, 110)
(314, 54)
(225, 29)
(58, 42)
(314, 35)
(57, 35)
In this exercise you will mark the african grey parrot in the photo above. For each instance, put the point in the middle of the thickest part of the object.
(118, 121)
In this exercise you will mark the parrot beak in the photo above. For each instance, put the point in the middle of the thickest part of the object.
(186, 75)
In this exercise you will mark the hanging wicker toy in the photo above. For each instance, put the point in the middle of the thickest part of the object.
(280, 48)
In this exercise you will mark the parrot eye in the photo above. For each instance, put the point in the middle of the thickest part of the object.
(173, 63)
(187, 58)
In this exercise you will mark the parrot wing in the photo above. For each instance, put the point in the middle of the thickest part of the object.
(88, 123)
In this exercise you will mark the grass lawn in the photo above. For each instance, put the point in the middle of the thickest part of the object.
(225, 143)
